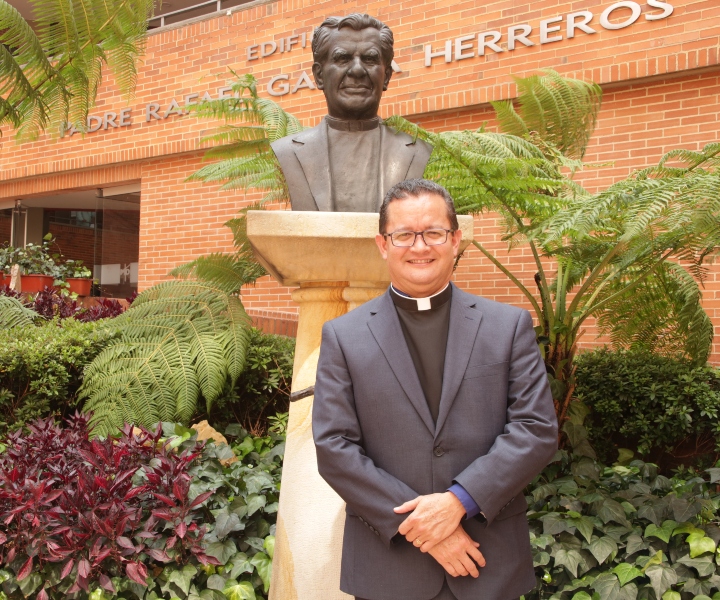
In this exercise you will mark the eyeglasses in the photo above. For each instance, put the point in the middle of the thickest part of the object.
(406, 239)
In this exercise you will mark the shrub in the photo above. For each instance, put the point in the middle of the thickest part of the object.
(41, 368)
(623, 532)
(79, 513)
(140, 516)
(263, 388)
(666, 408)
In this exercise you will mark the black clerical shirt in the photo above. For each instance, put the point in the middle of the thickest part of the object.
(425, 323)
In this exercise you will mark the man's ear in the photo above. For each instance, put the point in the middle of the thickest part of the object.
(317, 75)
(381, 242)
(456, 239)
(388, 74)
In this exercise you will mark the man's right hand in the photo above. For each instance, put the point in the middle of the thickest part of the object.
(458, 554)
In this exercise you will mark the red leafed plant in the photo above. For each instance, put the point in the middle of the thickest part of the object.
(81, 512)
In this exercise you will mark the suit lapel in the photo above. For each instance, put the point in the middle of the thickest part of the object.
(312, 154)
(464, 323)
(385, 327)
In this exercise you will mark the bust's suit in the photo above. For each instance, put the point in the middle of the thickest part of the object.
(378, 447)
(304, 161)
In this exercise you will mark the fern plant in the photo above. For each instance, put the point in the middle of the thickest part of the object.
(632, 255)
(50, 72)
(180, 341)
(244, 158)
(14, 314)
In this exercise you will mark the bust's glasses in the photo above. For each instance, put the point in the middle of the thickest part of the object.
(406, 239)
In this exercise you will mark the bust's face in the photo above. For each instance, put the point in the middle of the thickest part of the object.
(353, 75)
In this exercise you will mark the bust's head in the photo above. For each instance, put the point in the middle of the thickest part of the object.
(352, 64)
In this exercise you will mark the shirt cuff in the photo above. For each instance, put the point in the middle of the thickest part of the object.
(470, 506)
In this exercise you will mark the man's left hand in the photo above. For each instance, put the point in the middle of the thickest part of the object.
(434, 517)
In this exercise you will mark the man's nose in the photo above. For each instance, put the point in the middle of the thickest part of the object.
(356, 68)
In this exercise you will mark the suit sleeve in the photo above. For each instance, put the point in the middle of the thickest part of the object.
(529, 440)
(369, 492)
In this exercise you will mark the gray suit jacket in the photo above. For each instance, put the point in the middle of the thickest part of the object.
(304, 160)
(377, 445)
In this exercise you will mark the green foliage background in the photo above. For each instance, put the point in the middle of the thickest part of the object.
(666, 409)
(41, 367)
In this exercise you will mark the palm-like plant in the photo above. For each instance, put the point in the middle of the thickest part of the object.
(50, 72)
(631, 256)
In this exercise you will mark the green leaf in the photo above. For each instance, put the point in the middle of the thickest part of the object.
(635, 543)
(687, 528)
(607, 586)
(584, 525)
(626, 573)
(655, 559)
(30, 583)
(269, 545)
(239, 591)
(612, 511)
(221, 550)
(183, 577)
(682, 509)
(700, 544)
(263, 564)
(663, 532)
(714, 474)
(704, 565)
(255, 502)
(227, 523)
(661, 578)
(240, 564)
(624, 456)
(570, 559)
(212, 594)
(215, 582)
(603, 548)
(670, 595)
(628, 592)
(582, 596)
(653, 511)
(554, 524)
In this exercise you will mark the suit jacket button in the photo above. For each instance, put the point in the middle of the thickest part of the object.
(438, 451)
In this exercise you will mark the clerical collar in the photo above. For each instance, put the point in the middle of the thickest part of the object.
(402, 300)
(343, 125)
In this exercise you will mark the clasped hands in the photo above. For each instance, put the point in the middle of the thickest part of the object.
(434, 527)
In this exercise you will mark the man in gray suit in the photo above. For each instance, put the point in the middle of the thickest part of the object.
(351, 159)
(433, 402)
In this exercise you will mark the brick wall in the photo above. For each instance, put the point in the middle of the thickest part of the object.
(660, 80)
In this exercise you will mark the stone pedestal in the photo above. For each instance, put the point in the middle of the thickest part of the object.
(333, 261)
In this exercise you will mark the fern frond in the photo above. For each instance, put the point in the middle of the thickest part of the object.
(559, 110)
(50, 73)
(179, 341)
(14, 314)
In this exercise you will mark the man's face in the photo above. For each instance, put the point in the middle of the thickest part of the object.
(419, 270)
(353, 75)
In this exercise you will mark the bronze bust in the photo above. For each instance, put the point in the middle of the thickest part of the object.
(351, 159)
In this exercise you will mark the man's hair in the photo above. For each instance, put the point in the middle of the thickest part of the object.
(358, 22)
(414, 188)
